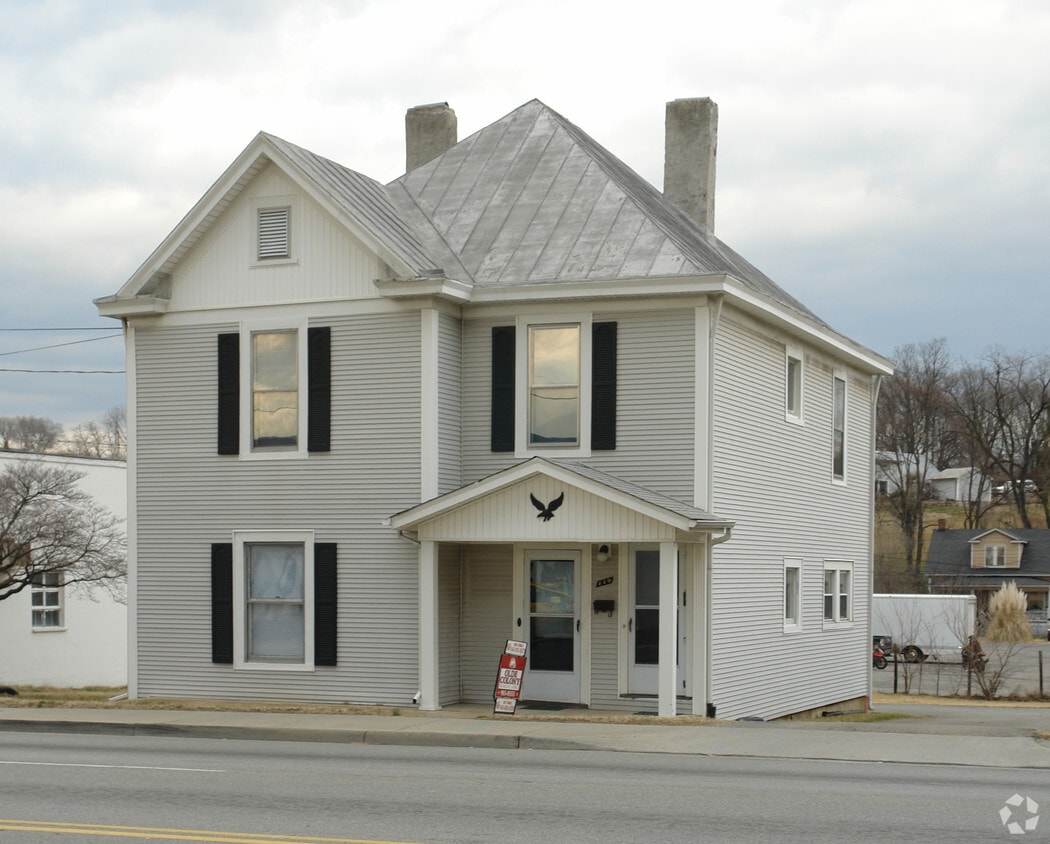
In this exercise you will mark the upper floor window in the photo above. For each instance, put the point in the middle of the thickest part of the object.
(793, 387)
(994, 556)
(277, 378)
(46, 599)
(838, 428)
(554, 385)
(275, 389)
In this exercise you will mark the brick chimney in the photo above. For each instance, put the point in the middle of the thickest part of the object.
(690, 147)
(429, 131)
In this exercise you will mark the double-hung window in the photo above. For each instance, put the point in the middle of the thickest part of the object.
(274, 383)
(554, 386)
(554, 406)
(46, 600)
(838, 592)
(274, 601)
(838, 428)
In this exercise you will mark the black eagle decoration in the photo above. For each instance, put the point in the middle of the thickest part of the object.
(546, 512)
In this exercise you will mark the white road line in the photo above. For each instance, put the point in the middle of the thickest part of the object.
(118, 767)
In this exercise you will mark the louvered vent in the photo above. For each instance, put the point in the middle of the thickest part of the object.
(273, 233)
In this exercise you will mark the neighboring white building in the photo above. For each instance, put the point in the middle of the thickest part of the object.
(962, 484)
(68, 636)
(517, 393)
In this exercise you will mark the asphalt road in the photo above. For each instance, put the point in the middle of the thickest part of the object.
(81, 788)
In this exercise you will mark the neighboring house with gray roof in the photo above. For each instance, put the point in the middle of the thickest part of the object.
(518, 393)
(981, 561)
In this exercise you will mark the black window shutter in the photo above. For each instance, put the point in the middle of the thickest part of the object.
(325, 615)
(229, 393)
(222, 602)
(319, 386)
(503, 388)
(603, 386)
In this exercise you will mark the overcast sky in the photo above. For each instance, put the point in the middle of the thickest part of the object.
(885, 161)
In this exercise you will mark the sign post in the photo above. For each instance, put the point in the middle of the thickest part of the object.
(508, 679)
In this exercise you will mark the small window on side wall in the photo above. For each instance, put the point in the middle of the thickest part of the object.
(46, 598)
(792, 595)
(793, 387)
(838, 428)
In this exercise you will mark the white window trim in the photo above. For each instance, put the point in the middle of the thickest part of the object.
(839, 375)
(838, 566)
(792, 352)
(247, 329)
(522, 448)
(240, 637)
(60, 608)
(291, 202)
(796, 625)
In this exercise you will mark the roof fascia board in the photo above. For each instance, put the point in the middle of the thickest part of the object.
(140, 306)
(798, 324)
(449, 289)
(259, 147)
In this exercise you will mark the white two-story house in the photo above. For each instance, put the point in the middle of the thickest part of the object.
(518, 393)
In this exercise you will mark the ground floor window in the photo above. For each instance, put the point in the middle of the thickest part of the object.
(792, 595)
(838, 592)
(274, 601)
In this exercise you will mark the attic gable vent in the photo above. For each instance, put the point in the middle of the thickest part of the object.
(274, 238)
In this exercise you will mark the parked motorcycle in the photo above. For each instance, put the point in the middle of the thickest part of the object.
(878, 658)
(973, 655)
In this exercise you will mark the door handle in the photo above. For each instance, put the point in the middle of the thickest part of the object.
(630, 625)
(577, 625)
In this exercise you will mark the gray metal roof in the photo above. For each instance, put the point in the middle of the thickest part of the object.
(366, 201)
(532, 199)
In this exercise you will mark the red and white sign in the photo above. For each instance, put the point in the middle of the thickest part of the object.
(509, 677)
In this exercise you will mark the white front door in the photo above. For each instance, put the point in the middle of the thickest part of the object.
(552, 596)
(643, 623)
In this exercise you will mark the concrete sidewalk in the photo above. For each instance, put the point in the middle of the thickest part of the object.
(932, 735)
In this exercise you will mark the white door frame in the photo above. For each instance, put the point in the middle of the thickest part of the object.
(574, 688)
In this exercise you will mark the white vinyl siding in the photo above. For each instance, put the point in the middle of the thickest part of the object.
(450, 403)
(654, 404)
(327, 263)
(810, 519)
(188, 498)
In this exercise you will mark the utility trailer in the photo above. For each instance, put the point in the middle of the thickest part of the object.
(925, 626)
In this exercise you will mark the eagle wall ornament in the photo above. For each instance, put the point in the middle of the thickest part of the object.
(546, 511)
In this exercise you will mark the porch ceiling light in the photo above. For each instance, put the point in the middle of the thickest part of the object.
(603, 554)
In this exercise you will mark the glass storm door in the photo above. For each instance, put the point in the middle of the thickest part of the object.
(644, 623)
(552, 591)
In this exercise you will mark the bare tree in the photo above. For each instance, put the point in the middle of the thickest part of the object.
(1004, 408)
(913, 426)
(49, 524)
(103, 437)
(29, 433)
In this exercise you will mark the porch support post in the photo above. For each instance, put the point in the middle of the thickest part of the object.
(428, 626)
(668, 679)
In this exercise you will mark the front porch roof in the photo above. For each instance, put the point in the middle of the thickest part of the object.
(596, 507)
